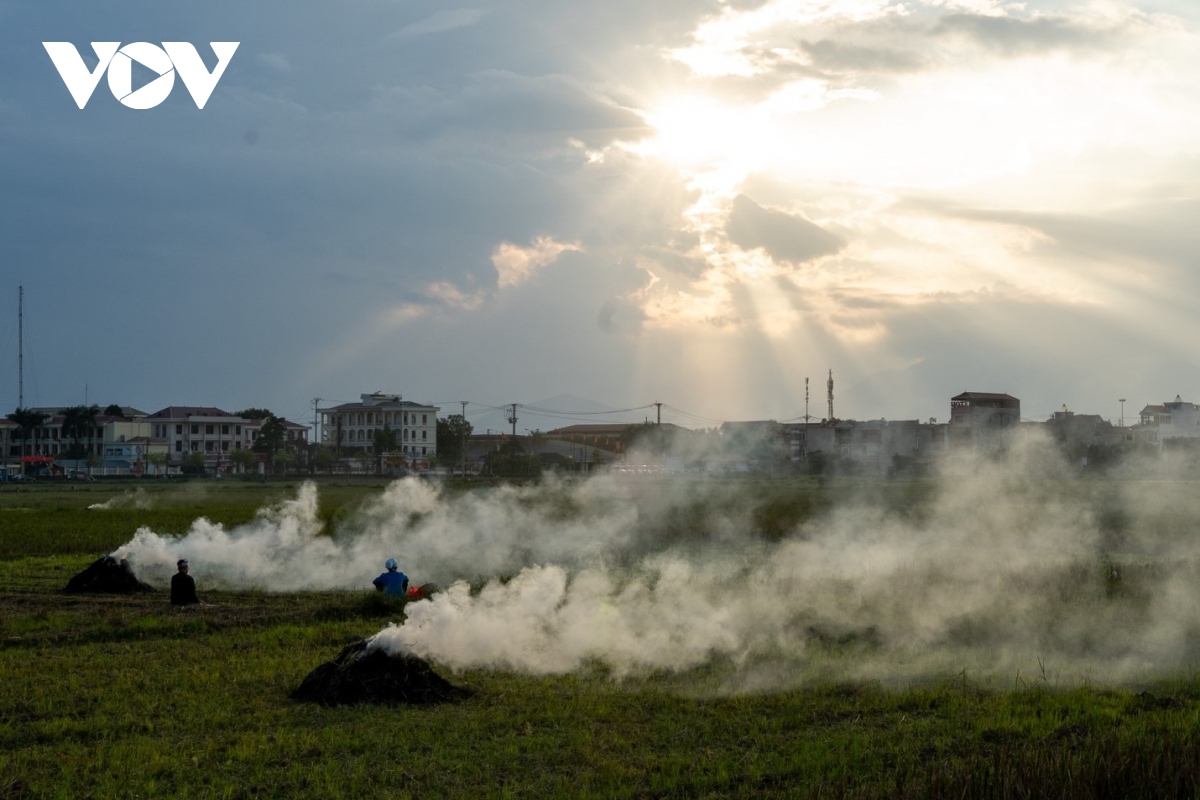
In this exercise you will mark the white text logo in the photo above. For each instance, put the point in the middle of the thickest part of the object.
(165, 61)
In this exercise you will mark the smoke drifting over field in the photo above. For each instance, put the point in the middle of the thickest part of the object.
(138, 499)
(1006, 568)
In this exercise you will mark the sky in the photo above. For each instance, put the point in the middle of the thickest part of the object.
(697, 203)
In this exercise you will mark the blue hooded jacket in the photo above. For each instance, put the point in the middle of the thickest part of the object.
(392, 582)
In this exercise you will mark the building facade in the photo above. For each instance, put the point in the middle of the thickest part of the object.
(354, 426)
(983, 420)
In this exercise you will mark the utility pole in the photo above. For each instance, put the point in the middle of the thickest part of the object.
(806, 419)
(658, 420)
(1122, 402)
(316, 438)
(829, 388)
(462, 445)
(512, 417)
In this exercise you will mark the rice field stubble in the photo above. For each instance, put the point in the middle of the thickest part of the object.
(124, 696)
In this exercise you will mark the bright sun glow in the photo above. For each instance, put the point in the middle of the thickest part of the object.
(694, 131)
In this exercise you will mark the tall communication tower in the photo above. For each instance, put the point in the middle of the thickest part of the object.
(20, 347)
(829, 388)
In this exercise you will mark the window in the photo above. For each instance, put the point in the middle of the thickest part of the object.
(195, 447)
(224, 447)
(224, 430)
(179, 430)
(178, 446)
(371, 434)
(423, 419)
(195, 430)
(360, 419)
(208, 447)
(422, 451)
(406, 434)
(405, 417)
(423, 436)
(237, 430)
(208, 430)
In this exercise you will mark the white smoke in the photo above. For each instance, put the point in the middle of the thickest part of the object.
(138, 499)
(1000, 572)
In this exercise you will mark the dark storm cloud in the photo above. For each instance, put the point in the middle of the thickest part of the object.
(784, 236)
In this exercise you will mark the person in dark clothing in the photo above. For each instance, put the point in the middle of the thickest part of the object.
(183, 587)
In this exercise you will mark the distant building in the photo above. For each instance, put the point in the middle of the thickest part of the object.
(1178, 420)
(872, 446)
(982, 420)
(210, 431)
(354, 426)
(1078, 433)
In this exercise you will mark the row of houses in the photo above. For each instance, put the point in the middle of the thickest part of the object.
(127, 440)
(134, 441)
(147, 443)
(978, 421)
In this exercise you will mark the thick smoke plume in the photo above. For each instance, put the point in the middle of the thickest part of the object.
(1011, 566)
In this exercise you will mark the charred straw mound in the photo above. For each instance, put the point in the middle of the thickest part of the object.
(359, 675)
(107, 575)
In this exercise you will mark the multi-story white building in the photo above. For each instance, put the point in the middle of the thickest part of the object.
(355, 425)
(209, 431)
(1175, 420)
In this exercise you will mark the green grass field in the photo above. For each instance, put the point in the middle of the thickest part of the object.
(126, 697)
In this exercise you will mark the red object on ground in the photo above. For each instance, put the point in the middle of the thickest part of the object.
(414, 593)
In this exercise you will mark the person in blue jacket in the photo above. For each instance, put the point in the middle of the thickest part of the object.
(393, 582)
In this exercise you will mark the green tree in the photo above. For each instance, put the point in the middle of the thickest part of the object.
(452, 435)
(158, 460)
(271, 437)
(245, 459)
(79, 423)
(113, 410)
(385, 441)
(29, 422)
(254, 413)
(511, 461)
(194, 464)
(282, 457)
(323, 458)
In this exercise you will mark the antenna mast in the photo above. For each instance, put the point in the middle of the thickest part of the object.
(20, 347)
(829, 388)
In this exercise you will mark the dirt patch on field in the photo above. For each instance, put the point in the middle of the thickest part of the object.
(360, 675)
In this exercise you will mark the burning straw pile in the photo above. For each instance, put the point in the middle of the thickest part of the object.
(363, 674)
(107, 575)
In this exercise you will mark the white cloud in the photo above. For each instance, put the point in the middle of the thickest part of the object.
(276, 61)
(441, 21)
(515, 264)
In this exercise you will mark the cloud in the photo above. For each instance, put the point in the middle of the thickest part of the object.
(1013, 36)
(784, 236)
(834, 56)
(276, 61)
(441, 21)
(515, 264)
